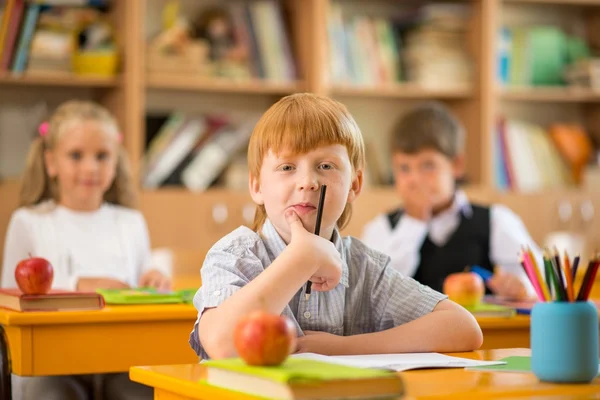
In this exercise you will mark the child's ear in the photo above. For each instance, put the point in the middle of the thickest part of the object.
(50, 163)
(255, 193)
(459, 166)
(356, 186)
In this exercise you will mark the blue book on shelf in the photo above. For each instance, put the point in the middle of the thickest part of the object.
(31, 18)
(504, 54)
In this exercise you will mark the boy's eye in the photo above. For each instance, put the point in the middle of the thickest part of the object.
(75, 155)
(428, 166)
(286, 168)
(326, 166)
(103, 155)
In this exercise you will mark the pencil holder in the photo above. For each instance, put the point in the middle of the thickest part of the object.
(564, 341)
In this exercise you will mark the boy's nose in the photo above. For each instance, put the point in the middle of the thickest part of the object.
(308, 182)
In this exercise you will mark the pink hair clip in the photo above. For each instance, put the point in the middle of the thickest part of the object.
(43, 129)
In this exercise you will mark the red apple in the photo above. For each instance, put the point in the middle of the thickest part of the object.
(264, 339)
(34, 275)
(464, 288)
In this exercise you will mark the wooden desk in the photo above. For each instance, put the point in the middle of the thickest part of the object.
(502, 333)
(83, 342)
(180, 382)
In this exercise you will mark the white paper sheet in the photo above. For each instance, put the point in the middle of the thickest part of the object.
(400, 362)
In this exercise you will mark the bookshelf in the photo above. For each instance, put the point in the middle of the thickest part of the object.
(223, 85)
(177, 217)
(402, 91)
(550, 94)
(59, 81)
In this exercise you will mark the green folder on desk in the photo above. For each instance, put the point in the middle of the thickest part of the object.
(491, 310)
(146, 296)
(513, 364)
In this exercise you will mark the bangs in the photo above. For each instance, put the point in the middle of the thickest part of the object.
(303, 124)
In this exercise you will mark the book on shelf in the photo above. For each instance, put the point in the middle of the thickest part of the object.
(54, 300)
(300, 378)
(41, 37)
(256, 44)
(423, 44)
(537, 55)
(193, 151)
(526, 158)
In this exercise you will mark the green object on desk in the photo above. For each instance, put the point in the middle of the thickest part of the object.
(520, 364)
(145, 296)
(491, 310)
(300, 370)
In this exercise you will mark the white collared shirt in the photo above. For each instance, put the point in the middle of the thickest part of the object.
(403, 243)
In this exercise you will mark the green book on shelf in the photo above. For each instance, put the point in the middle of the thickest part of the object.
(299, 378)
(146, 296)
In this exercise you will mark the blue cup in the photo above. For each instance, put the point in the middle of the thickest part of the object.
(564, 341)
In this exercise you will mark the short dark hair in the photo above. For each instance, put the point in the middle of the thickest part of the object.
(428, 126)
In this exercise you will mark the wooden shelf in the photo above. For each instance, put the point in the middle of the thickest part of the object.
(402, 91)
(221, 85)
(558, 2)
(550, 94)
(58, 80)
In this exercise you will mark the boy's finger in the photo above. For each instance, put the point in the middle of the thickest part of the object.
(293, 220)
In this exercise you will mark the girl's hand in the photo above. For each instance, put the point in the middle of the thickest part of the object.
(91, 284)
(155, 279)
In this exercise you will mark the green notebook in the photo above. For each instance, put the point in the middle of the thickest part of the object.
(146, 296)
(300, 378)
(491, 310)
(513, 364)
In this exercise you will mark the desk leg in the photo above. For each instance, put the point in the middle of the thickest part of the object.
(5, 375)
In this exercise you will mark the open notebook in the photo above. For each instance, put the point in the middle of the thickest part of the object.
(400, 362)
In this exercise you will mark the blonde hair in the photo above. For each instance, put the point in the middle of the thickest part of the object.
(38, 186)
(300, 123)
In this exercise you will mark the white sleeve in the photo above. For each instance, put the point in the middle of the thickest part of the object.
(402, 244)
(508, 235)
(17, 246)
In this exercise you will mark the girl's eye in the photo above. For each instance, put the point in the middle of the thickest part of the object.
(403, 168)
(102, 156)
(75, 155)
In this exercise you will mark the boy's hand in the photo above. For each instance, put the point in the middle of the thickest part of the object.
(507, 285)
(318, 251)
(418, 202)
(155, 279)
(91, 284)
(320, 343)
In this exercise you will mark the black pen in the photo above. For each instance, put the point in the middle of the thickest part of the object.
(317, 230)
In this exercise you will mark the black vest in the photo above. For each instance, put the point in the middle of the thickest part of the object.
(468, 245)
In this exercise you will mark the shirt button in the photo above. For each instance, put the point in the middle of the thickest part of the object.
(306, 314)
(217, 292)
